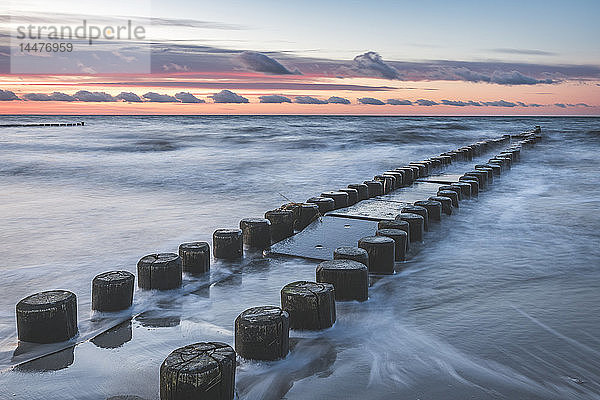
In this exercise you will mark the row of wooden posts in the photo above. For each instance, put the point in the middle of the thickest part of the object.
(207, 370)
(82, 123)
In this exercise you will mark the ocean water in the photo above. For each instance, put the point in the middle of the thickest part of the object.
(501, 301)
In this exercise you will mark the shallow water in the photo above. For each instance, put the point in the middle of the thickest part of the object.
(501, 301)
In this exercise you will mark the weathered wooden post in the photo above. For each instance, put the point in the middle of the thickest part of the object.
(375, 188)
(324, 203)
(159, 271)
(416, 223)
(262, 333)
(340, 199)
(471, 180)
(422, 211)
(363, 190)
(446, 203)
(282, 224)
(311, 305)
(195, 257)
(112, 291)
(433, 207)
(352, 195)
(381, 252)
(465, 189)
(308, 213)
(351, 253)
(47, 317)
(227, 243)
(456, 189)
(400, 238)
(349, 278)
(199, 371)
(393, 224)
(452, 194)
(256, 233)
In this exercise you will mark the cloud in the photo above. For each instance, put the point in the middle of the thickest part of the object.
(172, 67)
(424, 102)
(55, 96)
(474, 103)
(227, 96)
(154, 97)
(535, 105)
(516, 78)
(309, 100)
(371, 100)
(129, 97)
(499, 77)
(36, 97)
(274, 98)
(371, 64)
(579, 105)
(186, 97)
(561, 105)
(7, 95)
(523, 51)
(241, 84)
(522, 104)
(193, 23)
(398, 102)
(338, 100)
(261, 63)
(471, 76)
(499, 103)
(459, 103)
(454, 103)
(84, 95)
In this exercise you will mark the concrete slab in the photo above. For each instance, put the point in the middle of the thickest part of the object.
(373, 210)
(417, 191)
(323, 236)
(441, 178)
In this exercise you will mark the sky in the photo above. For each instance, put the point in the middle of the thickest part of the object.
(309, 57)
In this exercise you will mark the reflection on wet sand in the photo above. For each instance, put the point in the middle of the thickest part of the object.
(114, 337)
(52, 362)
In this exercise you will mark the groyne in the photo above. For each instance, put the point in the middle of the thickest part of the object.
(369, 227)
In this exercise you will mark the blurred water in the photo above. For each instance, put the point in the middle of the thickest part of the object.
(501, 302)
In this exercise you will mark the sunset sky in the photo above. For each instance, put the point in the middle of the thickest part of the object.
(309, 57)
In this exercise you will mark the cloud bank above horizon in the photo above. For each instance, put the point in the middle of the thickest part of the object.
(280, 70)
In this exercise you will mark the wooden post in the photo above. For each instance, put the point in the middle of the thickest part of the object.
(112, 291)
(47, 317)
(199, 371)
(311, 305)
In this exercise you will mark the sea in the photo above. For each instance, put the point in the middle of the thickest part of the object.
(501, 301)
